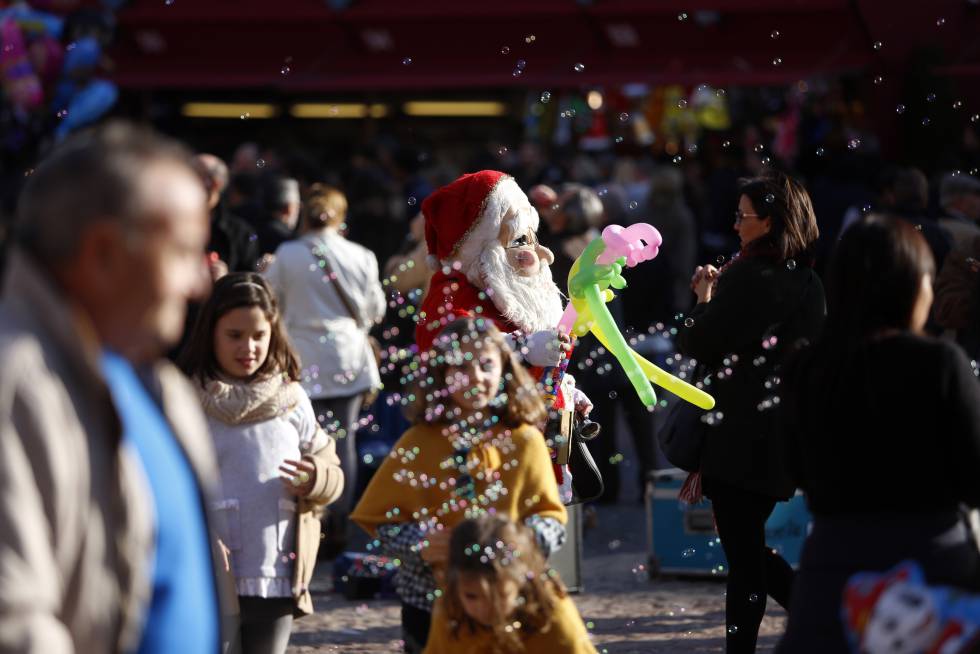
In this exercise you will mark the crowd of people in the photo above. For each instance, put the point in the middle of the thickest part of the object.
(151, 507)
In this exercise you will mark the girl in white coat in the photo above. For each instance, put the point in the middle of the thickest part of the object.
(278, 467)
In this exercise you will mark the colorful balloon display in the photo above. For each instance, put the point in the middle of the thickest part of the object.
(600, 267)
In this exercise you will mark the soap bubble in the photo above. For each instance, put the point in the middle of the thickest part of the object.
(777, 61)
(790, 264)
(682, 104)
(682, 16)
(260, 163)
(407, 61)
(546, 97)
(878, 79)
(821, 152)
(689, 322)
(774, 34)
(931, 97)
(940, 22)
(877, 45)
(579, 67)
(624, 117)
(688, 553)
(900, 109)
(530, 38)
(854, 144)
(412, 201)
(505, 50)
(770, 198)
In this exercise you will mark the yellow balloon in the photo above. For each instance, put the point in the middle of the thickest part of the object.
(664, 379)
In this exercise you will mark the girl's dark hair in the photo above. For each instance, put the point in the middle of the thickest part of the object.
(874, 278)
(873, 281)
(234, 291)
(523, 398)
(786, 203)
(492, 549)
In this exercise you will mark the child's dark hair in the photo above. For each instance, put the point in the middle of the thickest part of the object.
(496, 549)
(524, 403)
(234, 291)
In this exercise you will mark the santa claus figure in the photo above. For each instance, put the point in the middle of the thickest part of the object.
(480, 231)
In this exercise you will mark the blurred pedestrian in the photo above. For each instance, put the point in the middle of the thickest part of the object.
(263, 425)
(281, 208)
(663, 290)
(747, 313)
(883, 431)
(232, 239)
(959, 197)
(957, 305)
(571, 226)
(105, 460)
(331, 296)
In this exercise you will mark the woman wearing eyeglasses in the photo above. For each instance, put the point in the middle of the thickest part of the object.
(751, 311)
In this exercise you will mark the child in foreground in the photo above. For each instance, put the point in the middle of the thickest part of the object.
(475, 447)
(278, 468)
(501, 598)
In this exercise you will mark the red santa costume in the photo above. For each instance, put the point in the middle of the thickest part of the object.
(480, 233)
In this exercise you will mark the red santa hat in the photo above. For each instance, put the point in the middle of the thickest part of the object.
(466, 214)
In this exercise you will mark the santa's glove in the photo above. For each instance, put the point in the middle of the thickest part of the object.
(583, 405)
(545, 348)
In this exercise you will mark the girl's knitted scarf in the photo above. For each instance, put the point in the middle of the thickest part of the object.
(236, 402)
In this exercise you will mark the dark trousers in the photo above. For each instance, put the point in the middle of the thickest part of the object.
(640, 422)
(415, 628)
(266, 624)
(338, 417)
(754, 570)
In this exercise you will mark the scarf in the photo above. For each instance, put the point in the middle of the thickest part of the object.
(235, 402)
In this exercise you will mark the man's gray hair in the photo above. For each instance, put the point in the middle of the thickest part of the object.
(582, 206)
(93, 176)
(954, 185)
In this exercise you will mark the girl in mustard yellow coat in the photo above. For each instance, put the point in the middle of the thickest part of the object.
(475, 448)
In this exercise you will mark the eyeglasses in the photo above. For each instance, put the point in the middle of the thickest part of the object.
(739, 215)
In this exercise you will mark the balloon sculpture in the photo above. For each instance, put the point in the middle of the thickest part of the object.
(599, 267)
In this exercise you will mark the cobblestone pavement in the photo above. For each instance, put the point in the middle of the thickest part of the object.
(628, 612)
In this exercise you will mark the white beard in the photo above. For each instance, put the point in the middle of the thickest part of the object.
(531, 303)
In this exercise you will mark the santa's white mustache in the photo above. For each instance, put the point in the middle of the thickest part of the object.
(531, 302)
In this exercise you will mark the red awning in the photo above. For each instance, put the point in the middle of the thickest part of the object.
(298, 46)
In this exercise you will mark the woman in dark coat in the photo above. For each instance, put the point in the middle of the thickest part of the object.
(747, 316)
(883, 428)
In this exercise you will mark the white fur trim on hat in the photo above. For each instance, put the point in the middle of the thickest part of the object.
(506, 200)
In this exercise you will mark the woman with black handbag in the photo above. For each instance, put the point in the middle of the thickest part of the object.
(748, 313)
